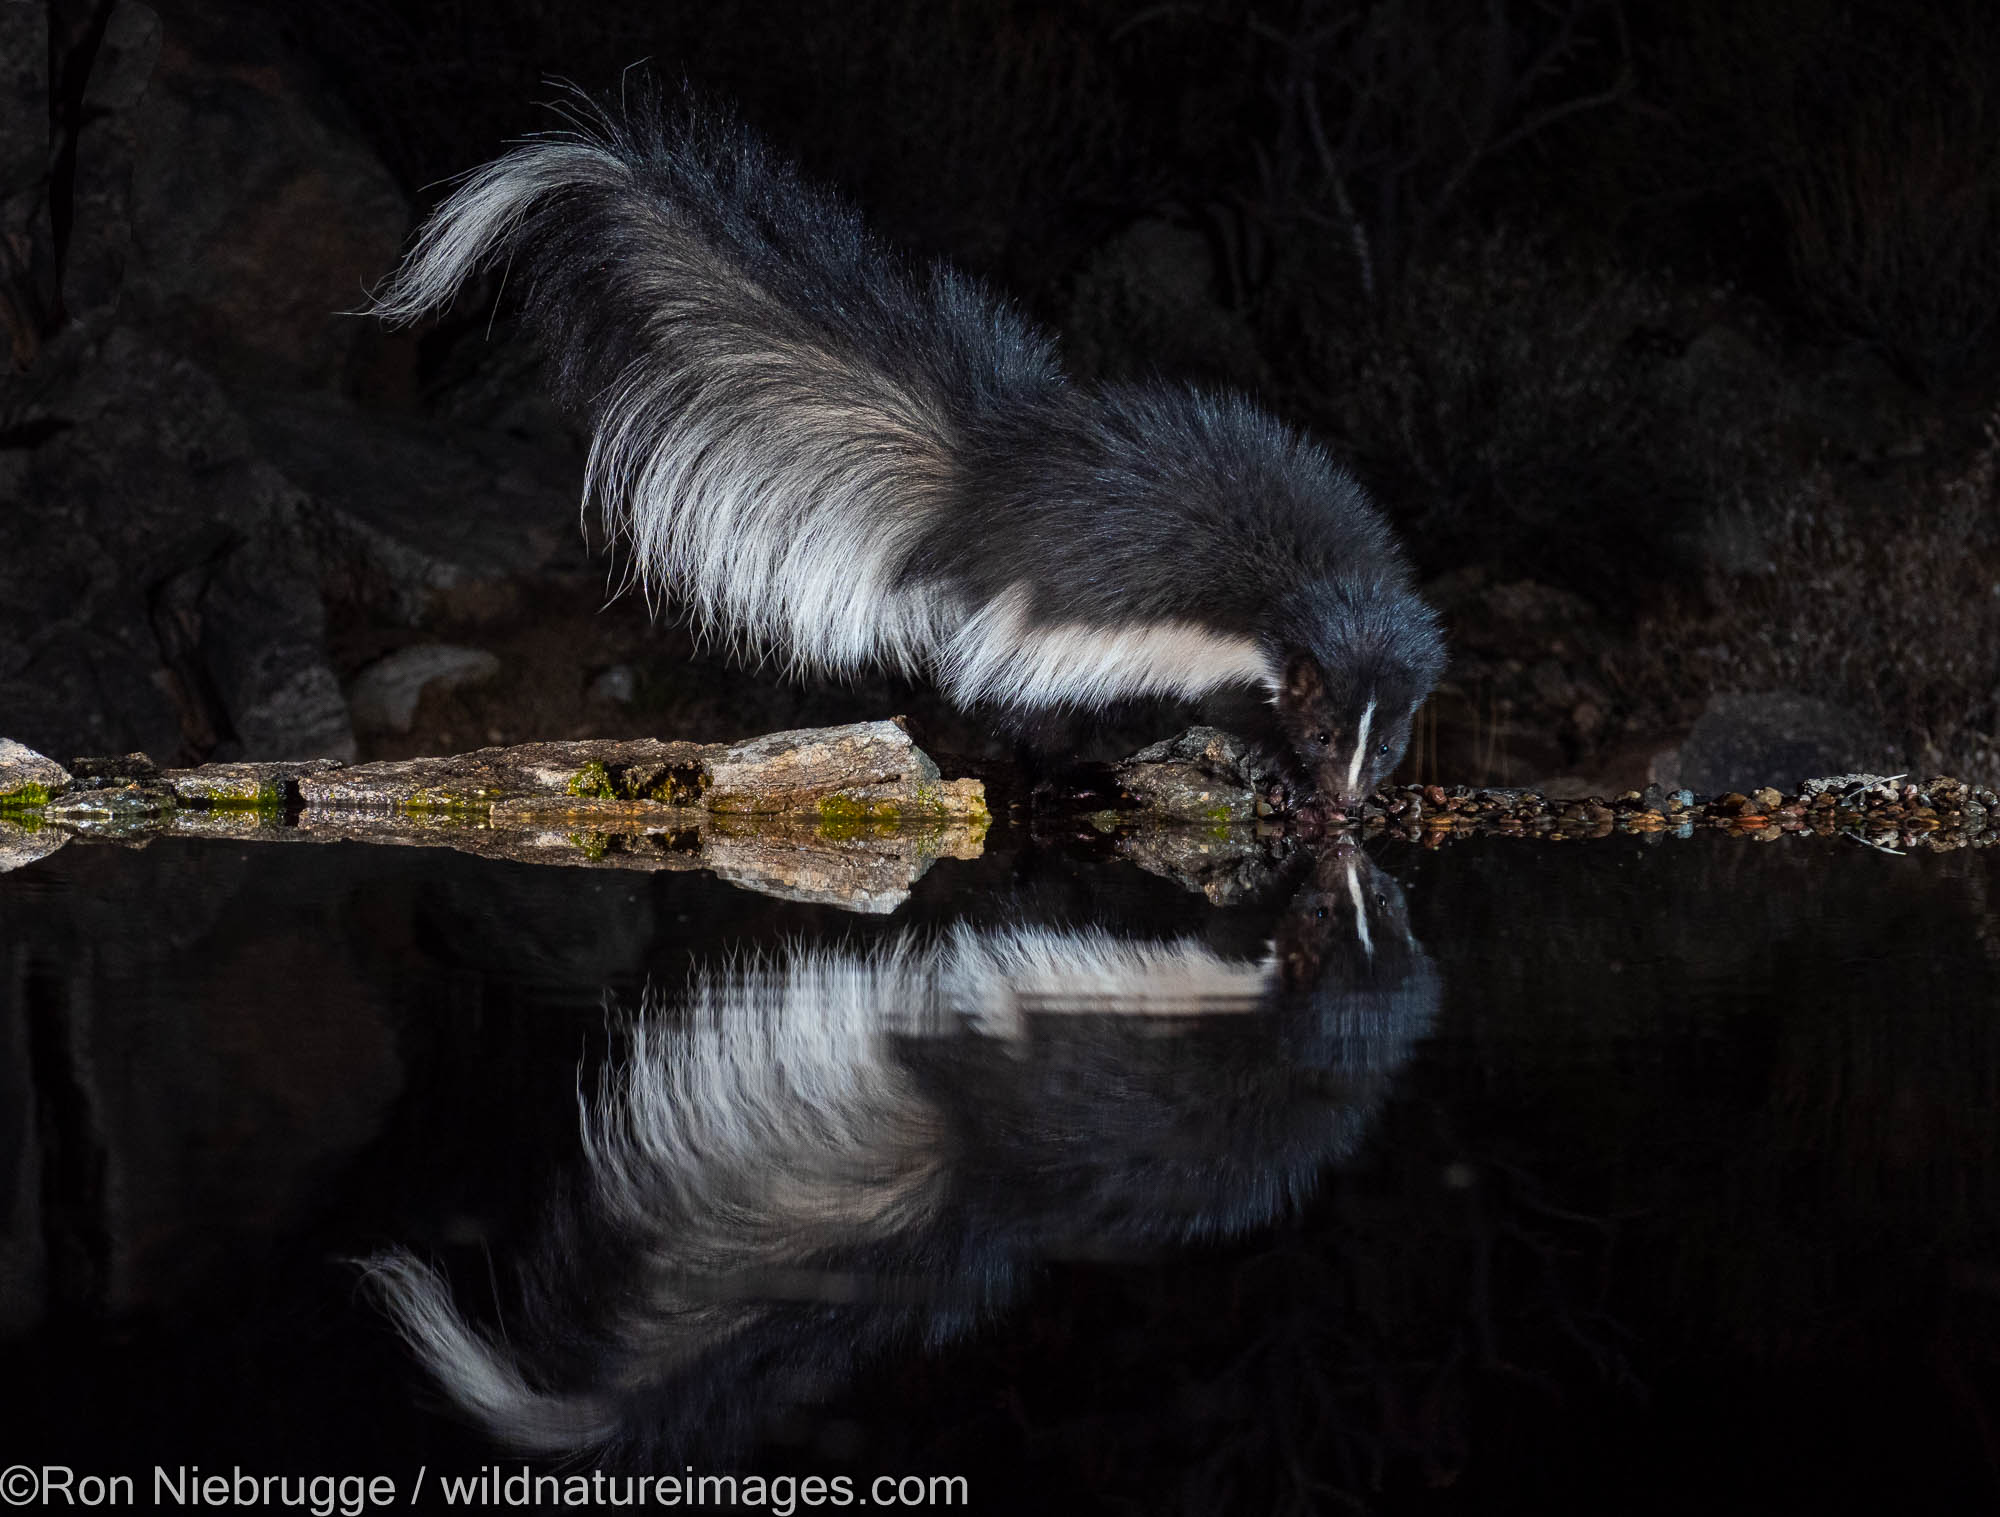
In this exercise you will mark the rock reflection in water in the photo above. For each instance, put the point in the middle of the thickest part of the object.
(811, 1154)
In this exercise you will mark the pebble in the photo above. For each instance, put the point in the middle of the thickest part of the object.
(1945, 813)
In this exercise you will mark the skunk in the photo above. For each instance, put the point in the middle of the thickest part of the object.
(811, 1157)
(842, 461)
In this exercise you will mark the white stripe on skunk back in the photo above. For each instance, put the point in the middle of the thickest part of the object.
(997, 654)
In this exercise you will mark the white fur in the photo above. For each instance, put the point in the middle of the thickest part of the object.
(1360, 909)
(1360, 751)
(758, 1123)
(481, 1376)
(773, 481)
(771, 1095)
(995, 980)
(784, 518)
(773, 1092)
(999, 654)
(460, 239)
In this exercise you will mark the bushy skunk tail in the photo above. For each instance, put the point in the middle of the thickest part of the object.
(778, 402)
(483, 1378)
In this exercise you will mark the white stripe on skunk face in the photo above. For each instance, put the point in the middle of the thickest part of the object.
(1351, 752)
(1347, 729)
(999, 655)
(1360, 759)
(1360, 906)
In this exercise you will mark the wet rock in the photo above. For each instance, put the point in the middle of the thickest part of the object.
(384, 696)
(1204, 775)
(1568, 787)
(27, 778)
(557, 775)
(98, 770)
(867, 771)
(793, 859)
(235, 787)
(127, 802)
(1743, 741)
(238, 822)
(1225, 865)
(853, 816)
(867, 873)
(1949, 794)
(858, 778)
(24, 840)
(1837, 787)
(850, 816)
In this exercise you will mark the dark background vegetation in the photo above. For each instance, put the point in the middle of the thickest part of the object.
(1664, 331)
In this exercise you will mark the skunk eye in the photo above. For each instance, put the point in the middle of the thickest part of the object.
(1383, 749)
(1322, 738)
(1320, 915)
(1382, 901)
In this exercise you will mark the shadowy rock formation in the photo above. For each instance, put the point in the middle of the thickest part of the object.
(184, 214)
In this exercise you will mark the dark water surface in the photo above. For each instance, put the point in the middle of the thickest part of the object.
(1659, 1175)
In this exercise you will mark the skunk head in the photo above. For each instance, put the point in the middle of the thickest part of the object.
(1357, 663)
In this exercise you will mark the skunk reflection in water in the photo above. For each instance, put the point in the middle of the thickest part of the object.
(810, 1155)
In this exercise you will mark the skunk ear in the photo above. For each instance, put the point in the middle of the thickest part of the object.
(1303, 681)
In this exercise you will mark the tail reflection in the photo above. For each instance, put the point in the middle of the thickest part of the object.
(810, 1154)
